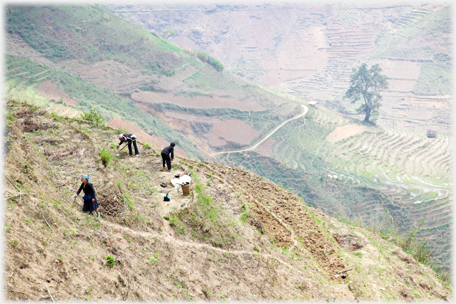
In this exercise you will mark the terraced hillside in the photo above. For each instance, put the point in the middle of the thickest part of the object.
(181, 96)
(132, 81)
(237, 237)
(345, 167)
(310, 49)
(415, 168)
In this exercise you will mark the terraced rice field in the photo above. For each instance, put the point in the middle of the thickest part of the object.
(410, 168)
(415, 169)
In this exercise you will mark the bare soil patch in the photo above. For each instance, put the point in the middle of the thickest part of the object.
(110, 74)
(29, 125)
(202, 102)
(282, 215)
(401, 85)
(235, 130)
(349, 241)
(266, 148)
(215, 140)
(51, 91)
(344, 132)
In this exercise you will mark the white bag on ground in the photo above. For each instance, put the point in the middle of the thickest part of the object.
(177, 182)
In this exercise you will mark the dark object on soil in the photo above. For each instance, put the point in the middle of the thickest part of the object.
(343, 276)
(183, 205)
(177, 175)
(431, 133)
(166, 198)
(164, 185)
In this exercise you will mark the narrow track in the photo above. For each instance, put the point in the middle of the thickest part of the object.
(267, 136)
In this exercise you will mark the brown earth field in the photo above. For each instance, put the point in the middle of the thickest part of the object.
(235, 130)
(237, 236)
(195, 102)
(219, 133)
(143, 136)
(344, 132)
(51, 91)
(266, 148)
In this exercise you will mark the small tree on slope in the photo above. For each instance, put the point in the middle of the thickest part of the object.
(366, 85)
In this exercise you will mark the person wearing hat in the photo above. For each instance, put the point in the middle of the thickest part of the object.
(129, 138)
(165, 155)
(90, 200)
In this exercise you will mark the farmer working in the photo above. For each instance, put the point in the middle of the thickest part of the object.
(129, 138)
(90, 200)
(165, 155)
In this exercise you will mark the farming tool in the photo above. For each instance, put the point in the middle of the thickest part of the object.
(122, 149)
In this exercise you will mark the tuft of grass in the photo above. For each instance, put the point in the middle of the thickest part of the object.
(111, 260)
(106, 157)
(153, 259)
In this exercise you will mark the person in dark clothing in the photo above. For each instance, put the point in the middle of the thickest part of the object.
(90, 200)
(165, 155)
(129, 138)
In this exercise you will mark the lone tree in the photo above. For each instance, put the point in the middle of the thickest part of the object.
(366, 85)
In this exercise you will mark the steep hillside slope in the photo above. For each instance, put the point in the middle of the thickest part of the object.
(73, 58)
(345, 167)
(237, 237)
(310, 49)
(175, 94)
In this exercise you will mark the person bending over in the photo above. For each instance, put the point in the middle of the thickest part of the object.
(129, 138)
(165, 155)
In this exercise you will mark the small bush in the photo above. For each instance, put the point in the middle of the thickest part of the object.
(106, 157)
(146, 145)
(111, 261)
(152, 260)
(93, 118)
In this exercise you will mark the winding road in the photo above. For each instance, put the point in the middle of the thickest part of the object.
(267, 136)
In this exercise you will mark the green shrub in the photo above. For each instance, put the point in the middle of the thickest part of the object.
(106, 157)
(111, 261)
(93, 117)
(211, 60)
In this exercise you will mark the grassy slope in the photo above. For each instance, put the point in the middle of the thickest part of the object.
(90, 34)
(210, 249)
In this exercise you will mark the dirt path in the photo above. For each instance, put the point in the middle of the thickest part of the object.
(267, 136)
(168, 237)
